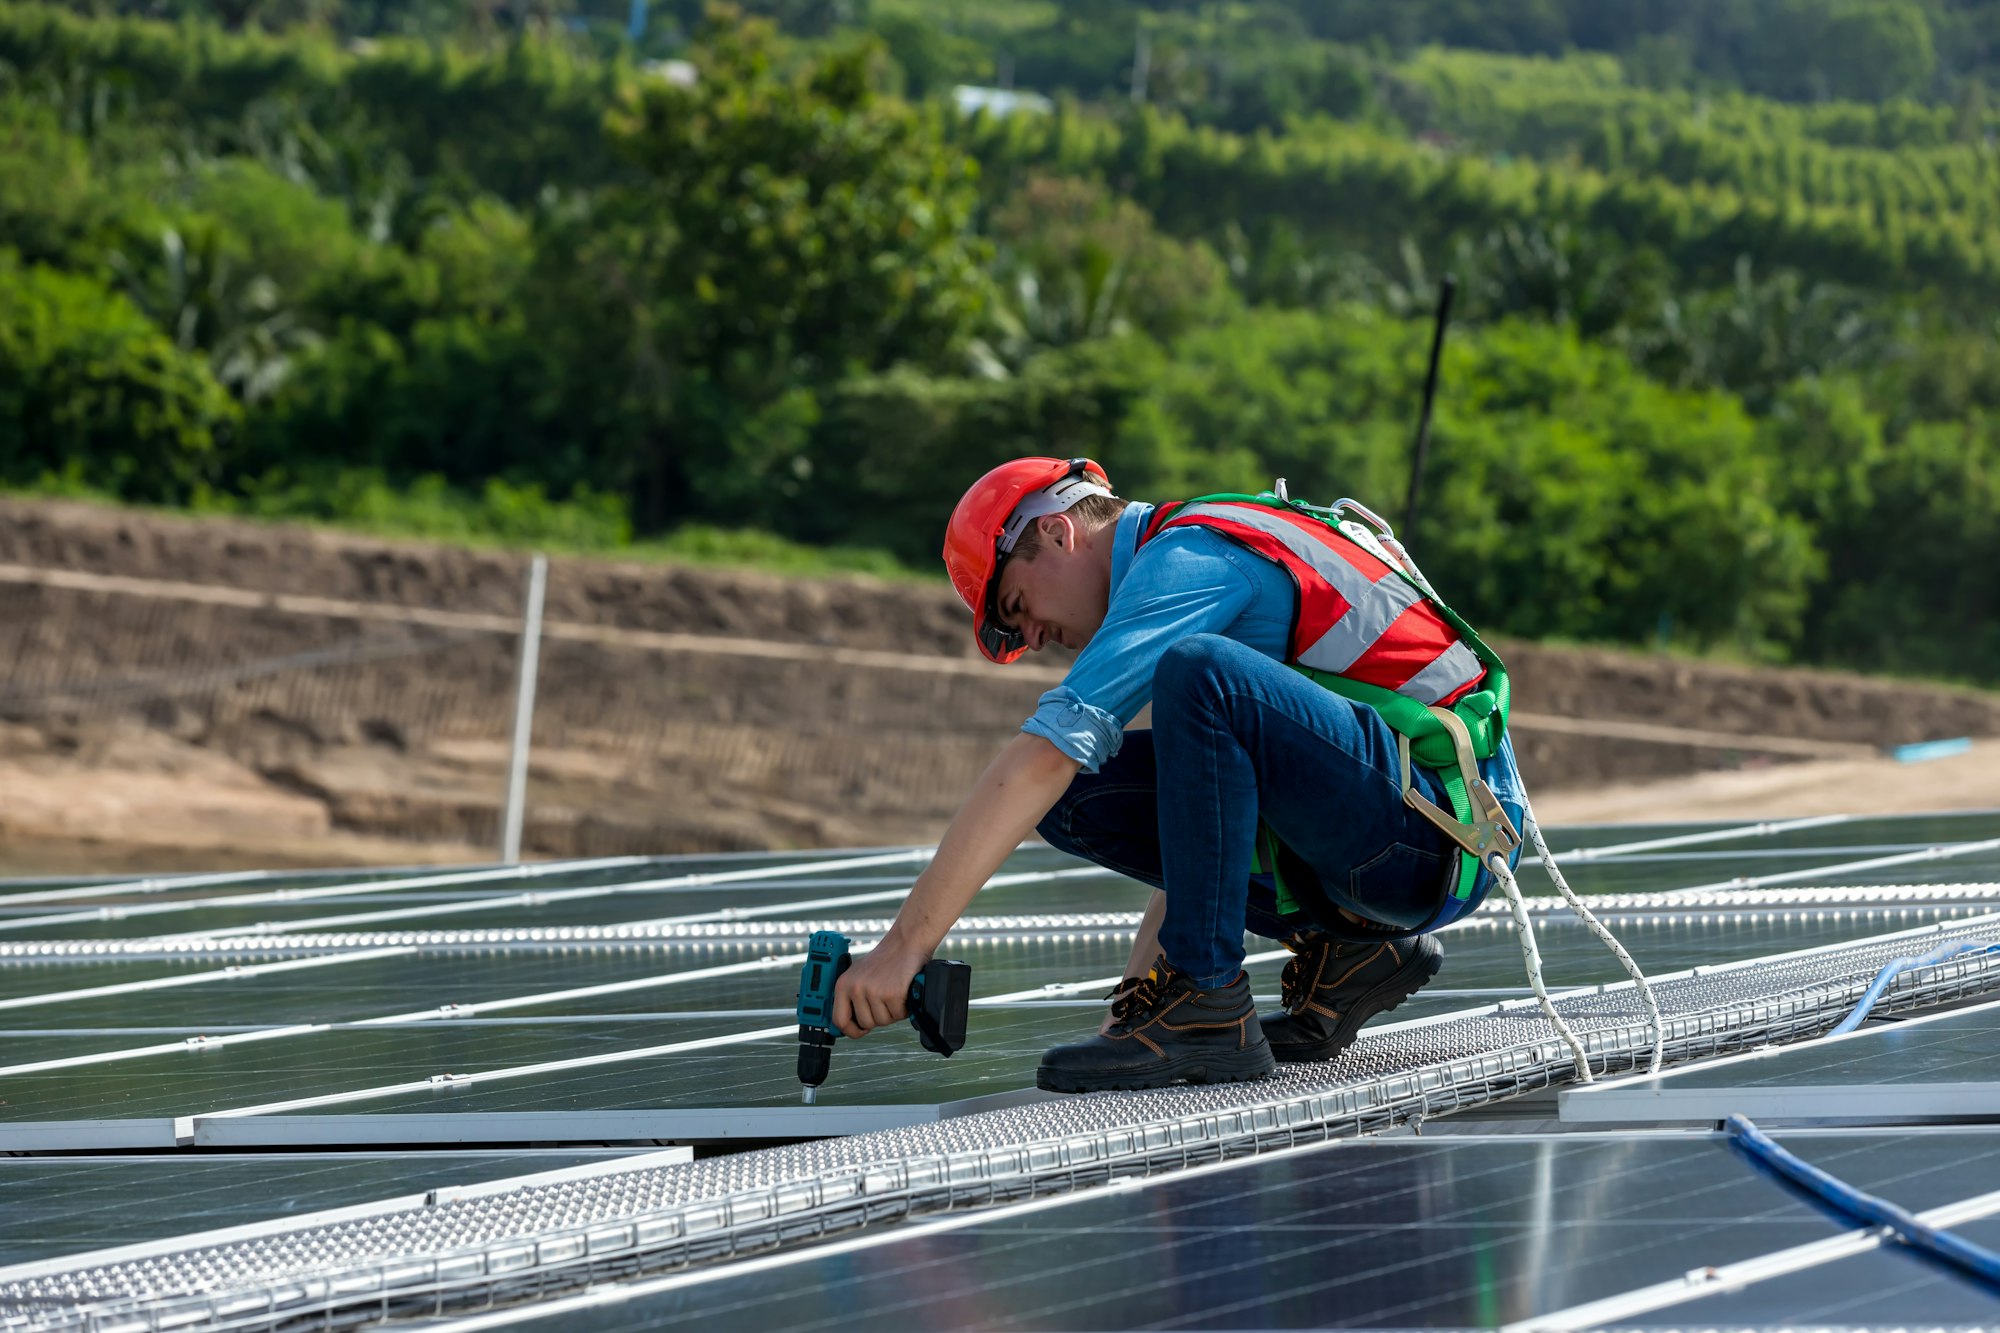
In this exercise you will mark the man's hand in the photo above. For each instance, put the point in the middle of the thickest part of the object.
(875, 991)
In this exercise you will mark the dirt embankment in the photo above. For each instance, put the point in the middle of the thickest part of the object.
(178, 693)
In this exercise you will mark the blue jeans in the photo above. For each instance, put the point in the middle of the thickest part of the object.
(1237, 736)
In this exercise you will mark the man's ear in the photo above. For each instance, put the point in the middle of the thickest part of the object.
(1060, 530)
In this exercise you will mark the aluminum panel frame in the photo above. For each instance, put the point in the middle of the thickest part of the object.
(1942, 1103)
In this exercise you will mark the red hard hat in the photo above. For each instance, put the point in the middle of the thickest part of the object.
(990, 517)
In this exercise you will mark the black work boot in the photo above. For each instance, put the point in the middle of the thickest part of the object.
(1163, 1030)
(1331, 987)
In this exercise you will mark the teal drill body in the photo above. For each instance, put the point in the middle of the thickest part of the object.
(938, 999)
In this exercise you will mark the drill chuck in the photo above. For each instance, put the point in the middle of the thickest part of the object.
(815, 1055)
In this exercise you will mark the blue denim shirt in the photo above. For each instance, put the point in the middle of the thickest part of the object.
(1187, 581)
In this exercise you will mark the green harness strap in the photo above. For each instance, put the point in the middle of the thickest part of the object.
(1484, 713)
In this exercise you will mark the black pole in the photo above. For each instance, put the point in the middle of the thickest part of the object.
(1445, 290)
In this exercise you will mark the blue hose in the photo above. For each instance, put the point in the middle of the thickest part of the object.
(1847, 1204)
(1900, 966)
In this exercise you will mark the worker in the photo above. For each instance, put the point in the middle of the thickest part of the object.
(1262, 798)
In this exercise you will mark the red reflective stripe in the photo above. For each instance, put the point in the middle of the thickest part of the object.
(1412, 643)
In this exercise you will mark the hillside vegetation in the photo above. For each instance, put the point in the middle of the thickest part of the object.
(1724, 373)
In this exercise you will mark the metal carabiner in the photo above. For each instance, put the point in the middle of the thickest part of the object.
(1383, 547)
(1373, 519)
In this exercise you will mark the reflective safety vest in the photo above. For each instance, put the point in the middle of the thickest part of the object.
(1367, 631)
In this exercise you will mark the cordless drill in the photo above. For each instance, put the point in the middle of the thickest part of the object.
(938, 997)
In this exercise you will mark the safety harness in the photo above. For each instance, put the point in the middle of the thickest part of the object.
(1450, 741)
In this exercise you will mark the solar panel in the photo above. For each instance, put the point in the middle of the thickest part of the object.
(887, 1068)
(1940, 1066)
(1457, 1233)
(1907, 863)
(24, 980)
(212, 907)
(1817, 831)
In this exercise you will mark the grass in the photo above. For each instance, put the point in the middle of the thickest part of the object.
(748, 548)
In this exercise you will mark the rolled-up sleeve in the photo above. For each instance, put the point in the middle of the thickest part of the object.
(1182, 583)
(1085, 733)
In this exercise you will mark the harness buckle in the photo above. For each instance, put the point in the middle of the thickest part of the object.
(1489, 831)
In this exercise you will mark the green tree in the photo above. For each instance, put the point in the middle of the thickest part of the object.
(892, 452)
(1077, 262)
(1569, 495)
(1868, 50)
(931, 59)
(89, 387)
(1555, 270)
(55, 207)
(1910, 585)
(1757, 336)
(816, 229)
(238, 317)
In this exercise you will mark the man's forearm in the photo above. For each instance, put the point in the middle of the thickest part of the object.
(1024, 780)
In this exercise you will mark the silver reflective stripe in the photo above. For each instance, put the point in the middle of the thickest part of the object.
(1349, 582)
(1373, 605)
(1362, 627)
(1454, 668)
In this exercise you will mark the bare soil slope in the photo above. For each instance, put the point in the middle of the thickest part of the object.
(179, 693)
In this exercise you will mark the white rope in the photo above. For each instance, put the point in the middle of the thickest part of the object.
(1501, 871)
(1533, 957)
(1497, 863)
(1597, 928)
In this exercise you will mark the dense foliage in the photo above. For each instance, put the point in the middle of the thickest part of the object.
(1724, 373)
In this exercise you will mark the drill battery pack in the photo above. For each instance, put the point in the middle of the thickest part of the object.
(938, 998)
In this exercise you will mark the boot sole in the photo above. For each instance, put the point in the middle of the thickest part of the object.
(1391, 991)
(1238, 1067)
